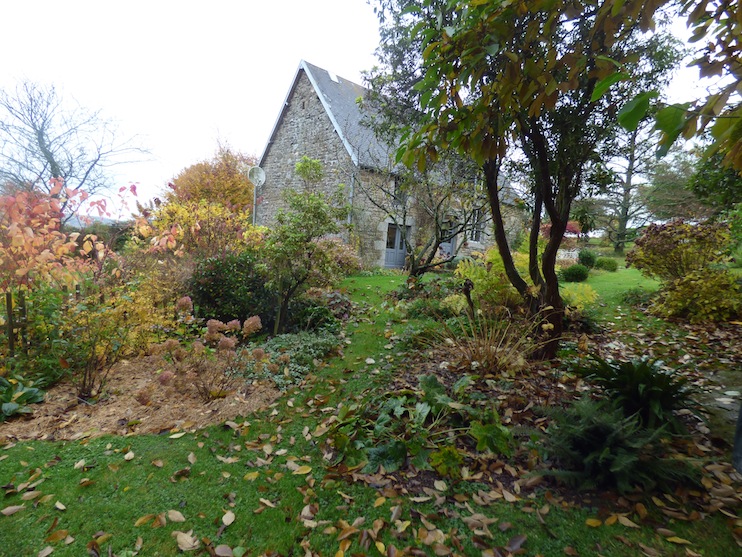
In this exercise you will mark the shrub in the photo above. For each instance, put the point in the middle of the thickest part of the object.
(676, 249)
(587, 257)
(575, 273)
(491, 286)
(606, 264)
(578, 296)
(594, 444)
(641, 388)
(233, 286)
(97, 335)
(704, 295)
(637, 296)
(310, 313)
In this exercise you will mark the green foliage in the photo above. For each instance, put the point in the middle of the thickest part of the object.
(286, 359)
(45, 339)
(429, 423)
(295, 256)
(309, 170)
(595, 445)
(493, 437)
(673, 250)
(587, 257)
(232, 286)
(15, 397)
(716, 183)
(491, 285)
(637, 296)
(312, 313)
(703, 295)
(575, 273)
(606, 264)
(642, 389)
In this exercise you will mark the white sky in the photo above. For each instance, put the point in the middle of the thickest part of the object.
(182, 74)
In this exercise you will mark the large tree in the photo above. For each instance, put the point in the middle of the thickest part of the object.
(528, 74)
(44, 139)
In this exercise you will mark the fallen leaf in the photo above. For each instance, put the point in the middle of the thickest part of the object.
(177, 435)
(681, 541)
(59, 506)
(267, 503)
(79, 464)
(626, 522)
(186, 540)
(48, 550)
(379, 501)
(29, 495)
(593, 522)
(223, 551)
(7, 511)
(516, 543)
(175, 516)
(440, 485)
(641, 510)
(129, 456)
(301, 470)
(192, 458)
(509, 497)
(144, 519)
(57, 536)
(251, 476)
(228, 518)
(158, 463)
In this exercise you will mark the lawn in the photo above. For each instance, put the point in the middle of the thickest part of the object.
(271, 483)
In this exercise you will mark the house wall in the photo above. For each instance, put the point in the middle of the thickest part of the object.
(306, 130)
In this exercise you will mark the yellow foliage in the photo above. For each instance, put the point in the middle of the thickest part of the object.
(222, 179)
(578, 295)
(199, 227)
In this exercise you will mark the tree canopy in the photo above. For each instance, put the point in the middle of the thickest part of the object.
(221, 179)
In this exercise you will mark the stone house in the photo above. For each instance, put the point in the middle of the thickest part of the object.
(322, 119)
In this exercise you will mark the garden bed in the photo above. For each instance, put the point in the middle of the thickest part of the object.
(135, 402)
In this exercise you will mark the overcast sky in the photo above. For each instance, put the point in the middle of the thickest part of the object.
(183, 74)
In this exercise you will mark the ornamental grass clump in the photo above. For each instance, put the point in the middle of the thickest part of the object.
(498, 345)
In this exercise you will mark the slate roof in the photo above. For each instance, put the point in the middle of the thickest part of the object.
(339, 97)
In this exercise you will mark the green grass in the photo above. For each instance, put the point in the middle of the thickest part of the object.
(248, 471)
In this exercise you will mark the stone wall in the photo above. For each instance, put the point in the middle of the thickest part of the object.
(305, 130)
